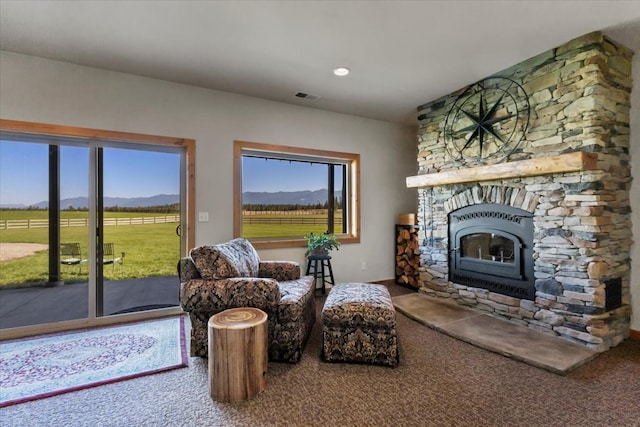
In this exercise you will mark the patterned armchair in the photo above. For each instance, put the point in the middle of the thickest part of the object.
(229, 275)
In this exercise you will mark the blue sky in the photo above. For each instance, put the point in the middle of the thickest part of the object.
(281, 175)
(24, 173)
(131, 173)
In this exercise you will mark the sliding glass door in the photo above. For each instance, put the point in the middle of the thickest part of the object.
(44, 232)
(139, 222)
(89, 229)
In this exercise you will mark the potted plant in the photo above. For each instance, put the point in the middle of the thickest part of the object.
(321, 244)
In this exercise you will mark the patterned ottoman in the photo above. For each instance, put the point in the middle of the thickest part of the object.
(359, 325)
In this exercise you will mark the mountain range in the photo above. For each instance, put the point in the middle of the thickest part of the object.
(125, 202)
(303, 198)
(249, 197)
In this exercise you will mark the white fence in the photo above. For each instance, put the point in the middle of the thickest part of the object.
(285, 213)
(7, 224)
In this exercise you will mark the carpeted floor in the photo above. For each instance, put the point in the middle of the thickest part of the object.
(440, 381)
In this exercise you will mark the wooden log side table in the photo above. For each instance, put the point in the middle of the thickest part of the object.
(237, 354)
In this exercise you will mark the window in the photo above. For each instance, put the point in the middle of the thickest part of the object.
(282, 193)
(93, 190)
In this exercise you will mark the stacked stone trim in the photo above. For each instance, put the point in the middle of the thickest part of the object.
(580, 101)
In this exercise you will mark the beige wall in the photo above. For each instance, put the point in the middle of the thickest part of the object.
(40, 90)
(635, 193)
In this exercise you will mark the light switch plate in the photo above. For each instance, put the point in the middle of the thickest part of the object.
(203, 216)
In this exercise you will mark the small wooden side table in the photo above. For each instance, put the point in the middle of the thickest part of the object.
(237, 354)
(316, 267)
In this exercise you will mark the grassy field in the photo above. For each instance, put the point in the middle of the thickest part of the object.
(274, 230)
(150, 250)
(288, 226)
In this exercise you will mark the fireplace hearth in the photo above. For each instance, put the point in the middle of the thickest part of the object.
(491, 247)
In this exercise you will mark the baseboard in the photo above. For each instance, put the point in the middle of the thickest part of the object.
(634, 335)
(385, 282)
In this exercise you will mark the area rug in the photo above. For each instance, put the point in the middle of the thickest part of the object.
(47, 365)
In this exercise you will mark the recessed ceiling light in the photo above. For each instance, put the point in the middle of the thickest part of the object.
(341, 71)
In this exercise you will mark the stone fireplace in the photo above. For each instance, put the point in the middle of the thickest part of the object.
(541, 238)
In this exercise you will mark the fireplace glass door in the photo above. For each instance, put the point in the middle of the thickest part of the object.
(488, 251)
(491, 247)
(488, 246)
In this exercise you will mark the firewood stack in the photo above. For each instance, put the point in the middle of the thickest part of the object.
(407, 255)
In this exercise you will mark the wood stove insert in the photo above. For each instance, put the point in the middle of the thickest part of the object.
(491, 247)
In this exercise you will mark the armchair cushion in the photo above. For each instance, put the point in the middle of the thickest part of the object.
(279, 270)
(187, 270)
(236, 258)
(217, 295)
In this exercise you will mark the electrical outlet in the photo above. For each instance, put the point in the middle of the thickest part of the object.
(203, 216)
(364, 265)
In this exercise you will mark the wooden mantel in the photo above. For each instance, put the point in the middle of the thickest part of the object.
(569, 162)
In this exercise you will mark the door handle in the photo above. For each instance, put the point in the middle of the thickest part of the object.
(179, 229)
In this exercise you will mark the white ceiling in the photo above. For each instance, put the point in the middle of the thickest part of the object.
(402, 53)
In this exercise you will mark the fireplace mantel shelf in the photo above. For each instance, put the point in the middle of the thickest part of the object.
(568, 162)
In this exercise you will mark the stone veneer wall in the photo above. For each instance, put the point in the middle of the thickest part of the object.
(580, 101)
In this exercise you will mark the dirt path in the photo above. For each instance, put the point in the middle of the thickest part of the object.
(9, 251)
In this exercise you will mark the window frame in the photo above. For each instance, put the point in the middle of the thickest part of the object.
(43, 130)
(322, 156)
(188, 175)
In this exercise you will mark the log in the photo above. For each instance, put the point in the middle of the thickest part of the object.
(567, 162)
(237, 354)
(407, 259)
